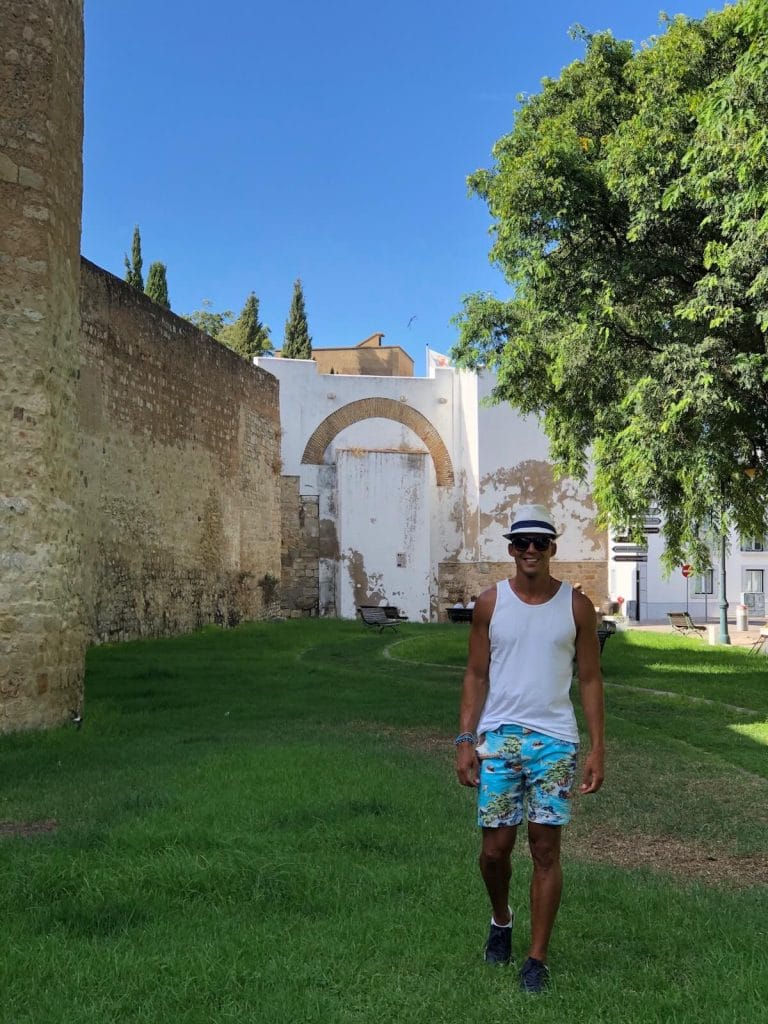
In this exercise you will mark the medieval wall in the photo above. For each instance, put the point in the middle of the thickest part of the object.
(180, 469)
(300, 551)
(42, 630)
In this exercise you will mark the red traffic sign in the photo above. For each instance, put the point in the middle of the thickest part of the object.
(687, 570)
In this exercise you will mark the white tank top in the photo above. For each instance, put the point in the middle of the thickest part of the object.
(532, 652)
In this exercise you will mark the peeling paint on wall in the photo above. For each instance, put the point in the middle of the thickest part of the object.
(365, 589)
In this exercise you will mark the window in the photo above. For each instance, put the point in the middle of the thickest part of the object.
(705, 583)
(753, 581)
(753, 544)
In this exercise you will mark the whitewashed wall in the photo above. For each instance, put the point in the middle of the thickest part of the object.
(499, 459)
(514, 468)
(383, 527)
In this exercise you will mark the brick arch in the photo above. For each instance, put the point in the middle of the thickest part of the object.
(384, 409)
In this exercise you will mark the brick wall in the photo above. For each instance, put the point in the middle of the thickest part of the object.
(299, 589)
(179, 463)
(458, 581)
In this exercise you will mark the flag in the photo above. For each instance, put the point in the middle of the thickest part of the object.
(436, 360)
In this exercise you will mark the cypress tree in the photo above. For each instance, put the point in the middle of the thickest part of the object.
(250, 337)
(133, 266)
(298, 342)
(157, 284)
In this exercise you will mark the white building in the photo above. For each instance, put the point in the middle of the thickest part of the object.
(413, 480)
(649, 594)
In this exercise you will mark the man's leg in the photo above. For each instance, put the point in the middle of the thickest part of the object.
(546, 885)
(496, 868)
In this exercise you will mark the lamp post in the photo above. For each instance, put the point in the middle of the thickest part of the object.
(724, 637)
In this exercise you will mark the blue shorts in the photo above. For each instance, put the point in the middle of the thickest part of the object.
(519, 766)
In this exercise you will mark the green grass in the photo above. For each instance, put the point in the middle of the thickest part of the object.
(263, 825)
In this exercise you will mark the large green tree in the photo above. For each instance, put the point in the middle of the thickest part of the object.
(209, 320)
(248, 335)
(630, 203)
(157, 284)
(133, 266)
(298, 342)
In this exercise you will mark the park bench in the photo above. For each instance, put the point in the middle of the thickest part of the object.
(377, 617)
(760, 642)
(459, 614)
(682, 622)
(604, 630)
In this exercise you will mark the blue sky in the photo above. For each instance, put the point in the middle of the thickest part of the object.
(255, 143)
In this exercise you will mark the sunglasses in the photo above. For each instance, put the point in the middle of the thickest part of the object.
(540, 542)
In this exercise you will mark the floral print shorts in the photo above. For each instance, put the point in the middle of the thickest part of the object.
(520, 767)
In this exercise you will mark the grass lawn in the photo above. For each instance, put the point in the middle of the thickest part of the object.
(263, 825)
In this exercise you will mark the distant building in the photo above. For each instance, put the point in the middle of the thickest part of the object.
(369, 358)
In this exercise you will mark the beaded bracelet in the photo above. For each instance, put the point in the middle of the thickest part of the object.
(465, 737)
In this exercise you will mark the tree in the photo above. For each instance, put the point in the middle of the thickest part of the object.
(133, 266)
(631, 218)
(157, 285)
(297, 343)
(247, 335)
(209, 321)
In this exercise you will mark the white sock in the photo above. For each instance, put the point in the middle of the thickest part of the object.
(508, 924)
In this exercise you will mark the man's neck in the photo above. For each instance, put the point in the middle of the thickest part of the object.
(534, 589)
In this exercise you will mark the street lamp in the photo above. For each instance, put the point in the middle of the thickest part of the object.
(750, 472)
(724, 637)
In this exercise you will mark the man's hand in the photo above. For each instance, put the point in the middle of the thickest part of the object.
(593, 773)
(467, 765)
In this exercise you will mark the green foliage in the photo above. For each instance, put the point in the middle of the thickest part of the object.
(297, 343)
(157, 285)
(208, 320)
(133, 266)
(248, 335)
(631, 218)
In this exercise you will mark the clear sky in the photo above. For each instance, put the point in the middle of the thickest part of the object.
(255, 143)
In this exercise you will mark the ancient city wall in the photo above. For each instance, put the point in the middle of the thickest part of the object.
(299, 587)
(42, 629)
(180, 469)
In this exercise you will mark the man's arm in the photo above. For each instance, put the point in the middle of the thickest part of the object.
(590, 691)
(475, 686)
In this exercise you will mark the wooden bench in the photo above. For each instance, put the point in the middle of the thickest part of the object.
(459, 614)
(682, 622)
(377, 618)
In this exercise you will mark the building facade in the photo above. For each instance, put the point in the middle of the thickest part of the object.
(401, 489)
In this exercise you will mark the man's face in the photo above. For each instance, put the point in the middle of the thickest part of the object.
(532, 553)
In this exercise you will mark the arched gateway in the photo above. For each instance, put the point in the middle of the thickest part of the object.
(387, 409)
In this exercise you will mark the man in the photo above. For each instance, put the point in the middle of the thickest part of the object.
(518, 741)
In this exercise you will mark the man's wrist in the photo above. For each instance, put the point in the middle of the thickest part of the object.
(465, 737)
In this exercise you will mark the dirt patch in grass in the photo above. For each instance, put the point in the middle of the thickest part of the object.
(27, 829)
(672, 857)
(663, 854)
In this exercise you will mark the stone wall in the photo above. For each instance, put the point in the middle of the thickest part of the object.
(458, 581)
(179, 463)
(42, 629)
(299, 587)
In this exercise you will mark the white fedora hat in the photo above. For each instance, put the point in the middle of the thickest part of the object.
(531, 519)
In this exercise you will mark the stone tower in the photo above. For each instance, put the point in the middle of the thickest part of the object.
(42, 628)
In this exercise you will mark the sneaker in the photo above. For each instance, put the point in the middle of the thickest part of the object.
(498, 948)
(534, 975)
